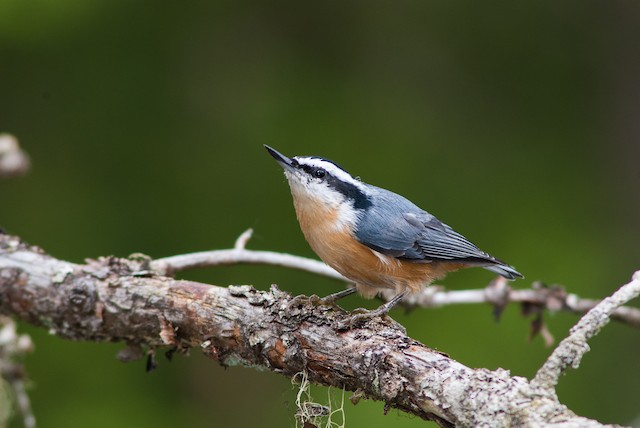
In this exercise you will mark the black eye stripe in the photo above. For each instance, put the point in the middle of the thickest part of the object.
(317, 172)
(349, 190)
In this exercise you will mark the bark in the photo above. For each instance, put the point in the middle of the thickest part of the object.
(497, 293)
(122, 300)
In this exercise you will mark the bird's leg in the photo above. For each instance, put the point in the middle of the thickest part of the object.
(360, 316)
(383, 309)
(332, 298)
(328, 300)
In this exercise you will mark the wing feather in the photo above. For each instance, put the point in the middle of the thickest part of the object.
(396, 227)
(404, 231)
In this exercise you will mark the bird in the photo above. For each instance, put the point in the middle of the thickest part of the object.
(376, 238)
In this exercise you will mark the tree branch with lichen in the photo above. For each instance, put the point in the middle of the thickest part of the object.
(126, 300)
(497, 293)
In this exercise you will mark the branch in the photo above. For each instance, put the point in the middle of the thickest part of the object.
(571, 350)
(13, 348)
(13, 160)
(497, 293)
(112, 299)
(239, 255)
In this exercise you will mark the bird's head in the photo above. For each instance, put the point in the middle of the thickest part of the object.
(322, 181)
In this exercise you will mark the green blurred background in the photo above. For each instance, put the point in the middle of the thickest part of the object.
(516, 123)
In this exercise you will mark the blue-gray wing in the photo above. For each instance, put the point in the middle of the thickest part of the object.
(396, 227)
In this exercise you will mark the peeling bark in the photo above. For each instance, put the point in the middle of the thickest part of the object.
(122, 300)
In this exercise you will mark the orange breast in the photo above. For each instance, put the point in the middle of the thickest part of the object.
(335, 244)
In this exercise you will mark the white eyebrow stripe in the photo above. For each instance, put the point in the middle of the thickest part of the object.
(331, 168)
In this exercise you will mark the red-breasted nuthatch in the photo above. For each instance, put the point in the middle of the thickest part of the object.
(374, 237)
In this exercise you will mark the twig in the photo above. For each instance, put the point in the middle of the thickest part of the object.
(242, 240)
(498, 293)
(13, 348)
(570, 351)
(13, 160)
(239, 255)
(113, 299)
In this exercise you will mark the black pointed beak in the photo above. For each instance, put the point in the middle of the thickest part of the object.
(284, 161)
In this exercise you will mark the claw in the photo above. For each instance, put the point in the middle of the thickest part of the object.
(298, 300)
(313, 300)
(362, 311)
(360, 316)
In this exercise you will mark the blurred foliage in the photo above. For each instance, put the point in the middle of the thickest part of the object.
(516, 123)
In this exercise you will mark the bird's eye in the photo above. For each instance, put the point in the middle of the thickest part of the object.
(319, 173)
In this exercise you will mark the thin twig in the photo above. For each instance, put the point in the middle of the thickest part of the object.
(242, 240)
(570, 351)
(498, 293)
(239, 255)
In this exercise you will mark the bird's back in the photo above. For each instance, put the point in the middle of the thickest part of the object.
(396, 227)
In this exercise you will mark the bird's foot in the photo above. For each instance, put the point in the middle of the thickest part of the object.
(313, 300)
(316, 300)
(331, 299)
(299, 300)
(360, 316)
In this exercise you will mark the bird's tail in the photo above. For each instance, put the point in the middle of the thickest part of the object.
(504, 270)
